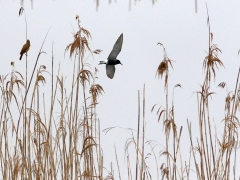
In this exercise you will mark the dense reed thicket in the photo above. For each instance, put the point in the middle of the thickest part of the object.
(38, 143)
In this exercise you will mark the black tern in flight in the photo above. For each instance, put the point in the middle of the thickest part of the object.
(112, 58)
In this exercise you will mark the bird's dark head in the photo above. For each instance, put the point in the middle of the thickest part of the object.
(118, 62)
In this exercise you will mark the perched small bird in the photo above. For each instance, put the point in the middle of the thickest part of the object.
(25, 49)
(112, 58)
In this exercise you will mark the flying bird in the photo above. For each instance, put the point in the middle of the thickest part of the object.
(112, 58)
(24, 49)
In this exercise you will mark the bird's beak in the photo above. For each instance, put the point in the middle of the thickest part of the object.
(121, 64)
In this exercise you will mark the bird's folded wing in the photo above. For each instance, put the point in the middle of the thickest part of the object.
(116, 48)
(110, 70)
(25, 48)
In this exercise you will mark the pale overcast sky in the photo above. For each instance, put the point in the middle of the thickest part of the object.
(183, 32)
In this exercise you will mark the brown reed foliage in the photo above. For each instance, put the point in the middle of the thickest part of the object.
(36, 143)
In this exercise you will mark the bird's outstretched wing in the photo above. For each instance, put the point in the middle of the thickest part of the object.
(110, 70)
(116, 48)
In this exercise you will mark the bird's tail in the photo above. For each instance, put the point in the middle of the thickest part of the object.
(21, 57)
(102, 62)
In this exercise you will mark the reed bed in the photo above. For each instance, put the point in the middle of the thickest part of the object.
(36, 143)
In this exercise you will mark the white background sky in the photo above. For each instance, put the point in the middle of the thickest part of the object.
(183, 32)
